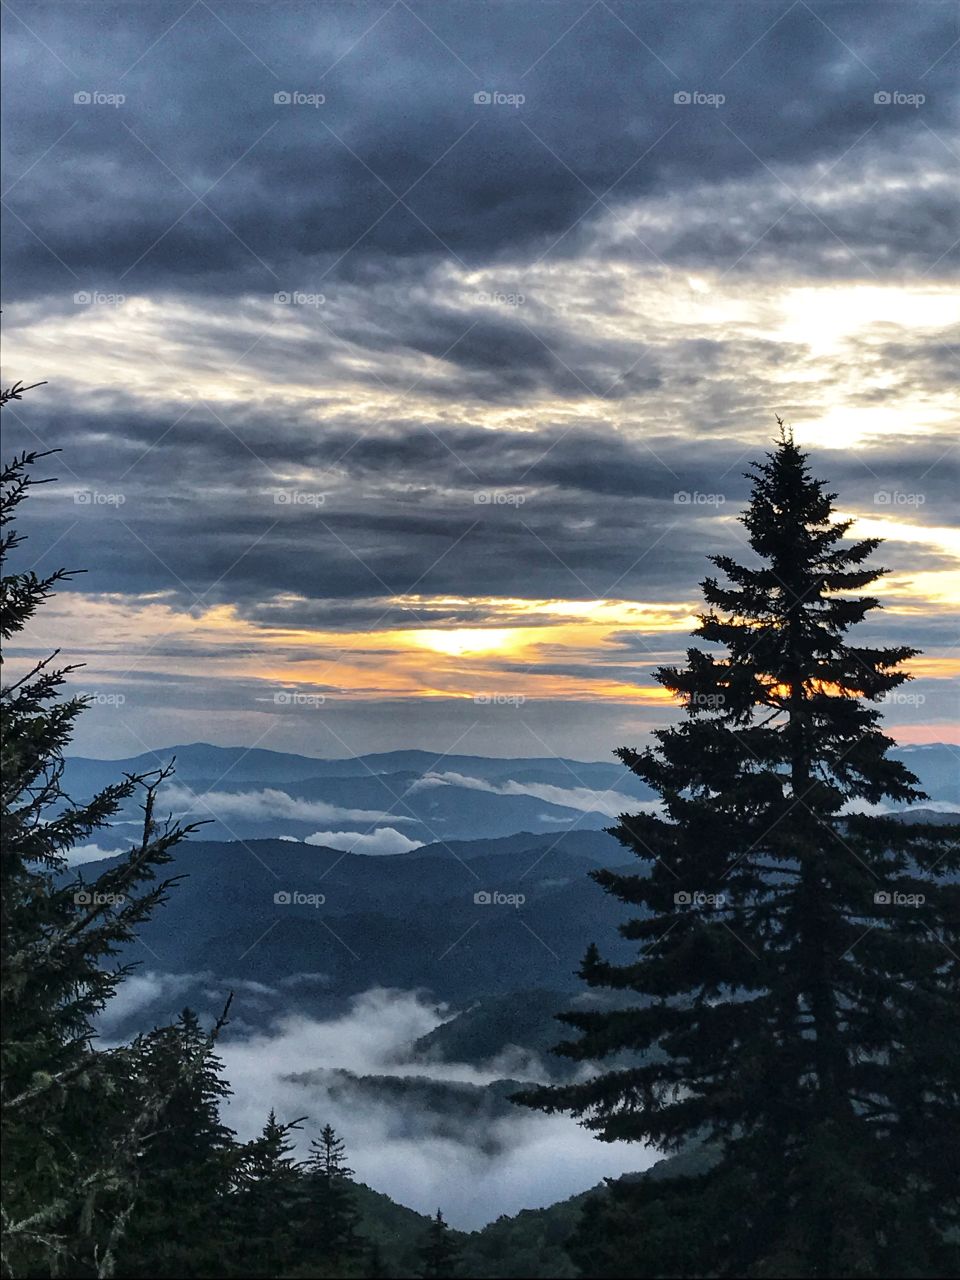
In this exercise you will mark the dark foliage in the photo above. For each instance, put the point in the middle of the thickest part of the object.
(797, 956)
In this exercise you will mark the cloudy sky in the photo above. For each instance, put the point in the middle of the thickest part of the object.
(406, 357)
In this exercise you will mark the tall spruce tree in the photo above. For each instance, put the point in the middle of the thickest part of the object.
(70, 1148)
(798, 951)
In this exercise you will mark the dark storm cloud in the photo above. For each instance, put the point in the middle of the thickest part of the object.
(573, 513)
(509, 387)
(292, 188)
(889, 202)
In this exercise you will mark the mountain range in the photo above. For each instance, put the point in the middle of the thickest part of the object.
(392, 802)
(400, 931)
(306, 919)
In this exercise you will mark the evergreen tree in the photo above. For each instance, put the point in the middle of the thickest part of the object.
(798, 957)
(185, 1167)
(330, 1214)
(69, 1149)
(266, 1217)
(439, 1255)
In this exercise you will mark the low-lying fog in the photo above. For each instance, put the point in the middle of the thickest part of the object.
(475, 1166)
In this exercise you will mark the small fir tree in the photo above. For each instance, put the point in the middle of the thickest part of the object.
(439, 1254)
(330, 1213)
(266, 1210)
(185, 1167)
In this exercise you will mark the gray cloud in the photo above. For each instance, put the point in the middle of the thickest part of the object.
(298, 187)
(506, 333)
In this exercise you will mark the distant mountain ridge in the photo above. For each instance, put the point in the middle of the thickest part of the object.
(255, 764)
(485, 891)
(410, 797)
(462, 923)
(420, 797)
(937, 764)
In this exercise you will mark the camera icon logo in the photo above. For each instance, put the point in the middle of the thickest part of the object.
(682, 98)
(483, 98)
(882, 98)
(83, 898)
(282, 98)
(282, 296)
(482, 898)
(82, 299)
(682, 898)
(882, 898)
(282, 898)
(82, 99)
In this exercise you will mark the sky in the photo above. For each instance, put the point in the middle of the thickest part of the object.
(406, 358)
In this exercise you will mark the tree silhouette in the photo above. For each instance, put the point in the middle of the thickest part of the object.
(439, 1254)
(70, 1152)
(330, 1214)
(798, 957)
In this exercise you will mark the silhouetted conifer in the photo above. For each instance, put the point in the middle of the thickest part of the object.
(797, 951)
(438, 1257)
(74, 1118)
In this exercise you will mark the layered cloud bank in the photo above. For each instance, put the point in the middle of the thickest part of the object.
(406, 364)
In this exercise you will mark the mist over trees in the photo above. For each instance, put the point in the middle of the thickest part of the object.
(792, 1043)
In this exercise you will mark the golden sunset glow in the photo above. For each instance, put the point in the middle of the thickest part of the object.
(548, 648)
(566, 655)
(463, 642)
